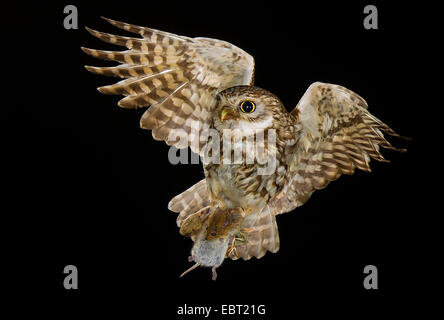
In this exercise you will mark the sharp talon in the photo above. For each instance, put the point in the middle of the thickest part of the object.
(190, 259)
(214, 273)
(232, 251)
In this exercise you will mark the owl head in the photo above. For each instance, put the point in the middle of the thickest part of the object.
(246, 108)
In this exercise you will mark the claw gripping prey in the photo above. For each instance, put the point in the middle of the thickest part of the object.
(212, 242)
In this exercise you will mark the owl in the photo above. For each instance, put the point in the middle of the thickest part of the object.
(198, 90)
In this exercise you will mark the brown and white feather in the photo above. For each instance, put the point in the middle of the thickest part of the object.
(177, 77)
(336, 135)
(182, 80)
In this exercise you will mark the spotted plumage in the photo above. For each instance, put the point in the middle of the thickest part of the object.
(199, 90)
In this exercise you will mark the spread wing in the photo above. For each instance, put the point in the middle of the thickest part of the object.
(177, 77)
(337, 135)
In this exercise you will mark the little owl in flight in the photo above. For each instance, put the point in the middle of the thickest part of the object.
(194, 87)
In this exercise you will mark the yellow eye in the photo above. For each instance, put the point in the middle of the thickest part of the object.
(247, 106)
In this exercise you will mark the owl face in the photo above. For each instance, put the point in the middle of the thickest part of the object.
(246, 108)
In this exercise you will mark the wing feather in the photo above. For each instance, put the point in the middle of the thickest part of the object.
(177, 77)
(337, 135)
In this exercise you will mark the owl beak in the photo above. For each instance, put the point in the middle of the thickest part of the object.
(226, 113)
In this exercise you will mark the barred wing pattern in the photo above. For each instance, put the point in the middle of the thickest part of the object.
(337, 135)
(177, 77)
(190, 201)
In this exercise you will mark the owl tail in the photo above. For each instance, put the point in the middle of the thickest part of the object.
(259, 234)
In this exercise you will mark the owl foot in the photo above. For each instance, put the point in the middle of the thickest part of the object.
(241, 236)
(232, 251)
(213, 270)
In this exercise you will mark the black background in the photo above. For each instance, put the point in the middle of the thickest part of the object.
(98, 186)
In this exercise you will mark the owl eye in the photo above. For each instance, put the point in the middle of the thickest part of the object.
(247, 106)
